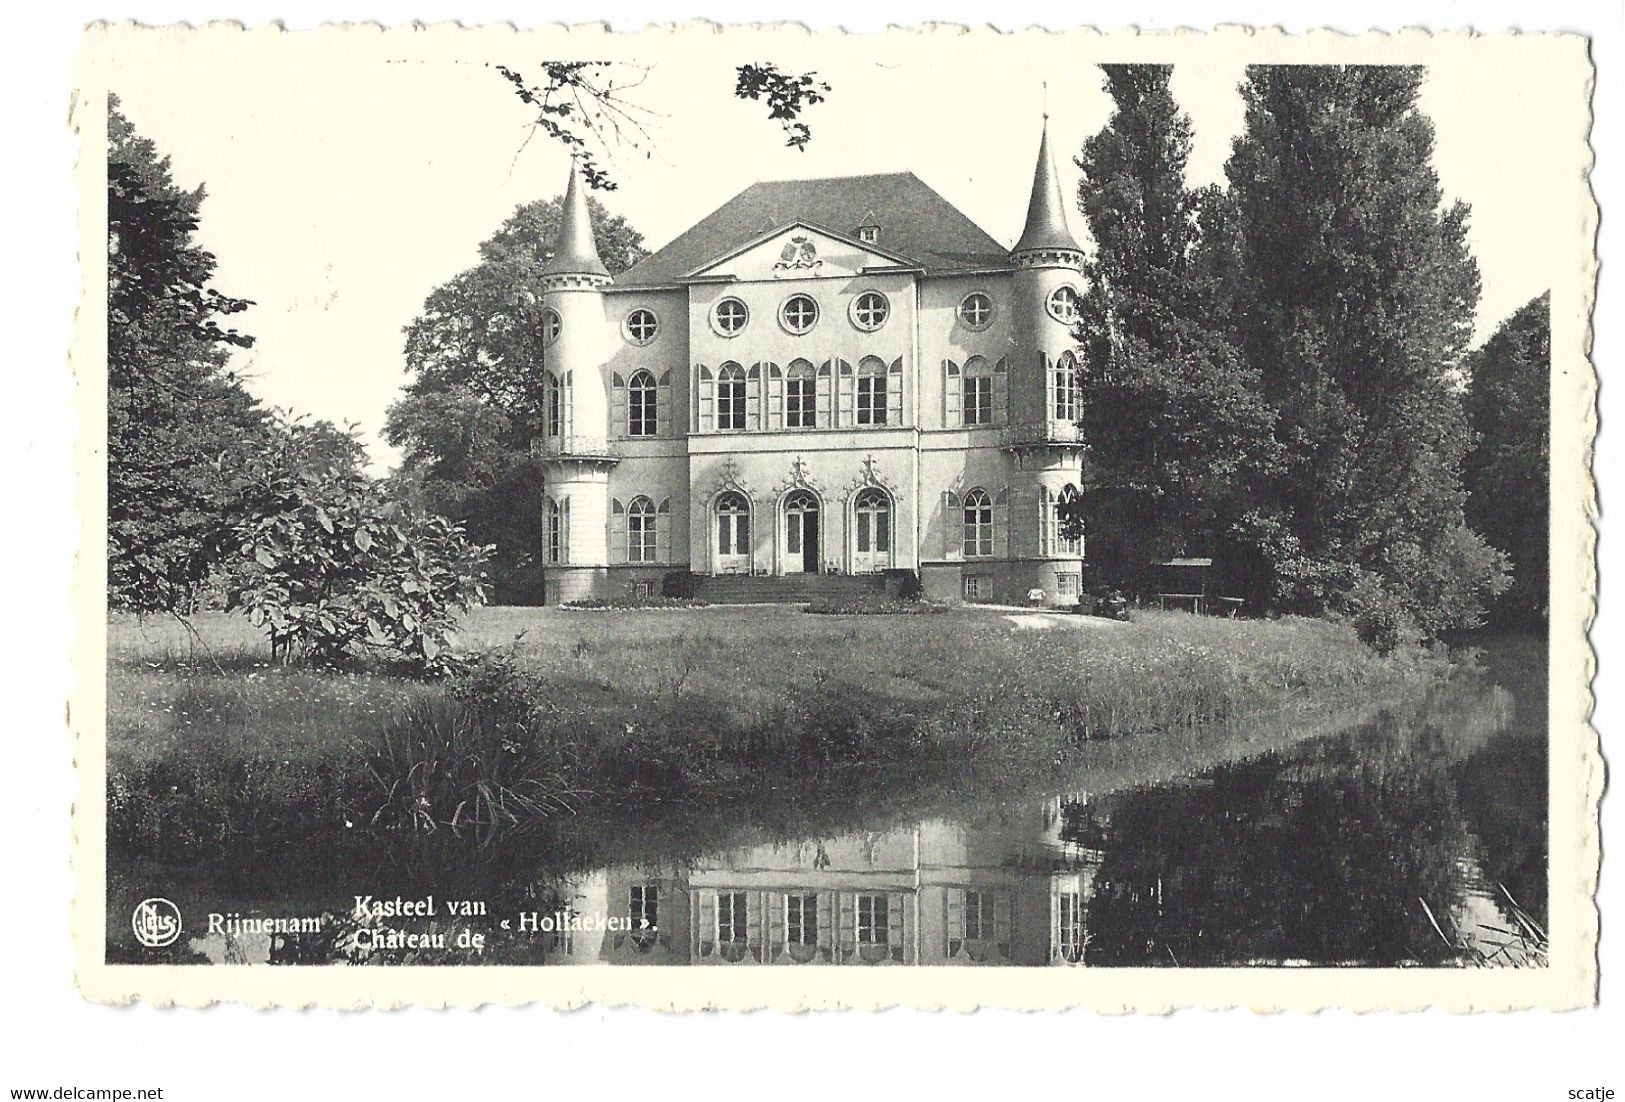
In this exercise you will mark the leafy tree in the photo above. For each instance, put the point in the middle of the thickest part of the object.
(1173, 415)
(331, 565)
(1508, 484)
(467, 418)
(1354, 299)
(177, 420)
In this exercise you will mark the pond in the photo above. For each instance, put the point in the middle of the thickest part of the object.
(1417, 837)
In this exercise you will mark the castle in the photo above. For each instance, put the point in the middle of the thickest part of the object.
(822, 377)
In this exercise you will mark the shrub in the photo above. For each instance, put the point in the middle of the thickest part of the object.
(680, 583)
(903, 584)
(1379, 615)
(330, 566)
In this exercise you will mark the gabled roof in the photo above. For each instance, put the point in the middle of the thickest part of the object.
(915, 222)
(886, 256)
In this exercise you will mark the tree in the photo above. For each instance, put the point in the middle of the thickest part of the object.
(474, 404)
(332, 566)
(1354, 299)
(1508, 484)
(583, 104)
(177, 420)
(1173, 416)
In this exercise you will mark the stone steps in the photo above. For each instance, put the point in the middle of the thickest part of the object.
(745, 589)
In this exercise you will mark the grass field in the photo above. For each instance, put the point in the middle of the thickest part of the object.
(214, 752)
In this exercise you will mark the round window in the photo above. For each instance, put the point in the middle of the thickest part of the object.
(729, 317)
(976, 311)
(1064, 304)
(870, 310)
(641, 326)
(551, 325)
(798, 314)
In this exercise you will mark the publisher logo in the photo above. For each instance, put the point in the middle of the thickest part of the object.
(156, 922)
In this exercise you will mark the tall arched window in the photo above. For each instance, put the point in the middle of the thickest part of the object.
(978, 524)
(1066, 388)
(555, 405)
(641, 537)
(978, 386)
(872, 404)
(801, 396)
(731, 397)
(1068, 502)
(554, 531)
(641, 418)
(871, 517)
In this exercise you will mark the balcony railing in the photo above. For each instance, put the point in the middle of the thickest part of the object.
(576, 447)
(1029, 433)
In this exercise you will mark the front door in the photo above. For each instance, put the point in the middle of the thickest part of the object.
(871, 536)
(732, 534)
(801, 533)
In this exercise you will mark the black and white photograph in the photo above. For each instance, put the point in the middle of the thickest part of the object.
(748, 498)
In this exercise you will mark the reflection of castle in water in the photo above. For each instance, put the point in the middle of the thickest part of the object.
(937, 893)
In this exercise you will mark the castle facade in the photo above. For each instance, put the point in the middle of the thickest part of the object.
(834, 376)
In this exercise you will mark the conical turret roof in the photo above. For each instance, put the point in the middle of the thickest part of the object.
(1046, 211)
(574, 251)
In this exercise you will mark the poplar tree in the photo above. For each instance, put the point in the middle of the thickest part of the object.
(1354, 300)
(1177, 429)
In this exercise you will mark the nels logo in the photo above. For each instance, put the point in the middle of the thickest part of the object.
(156, 922)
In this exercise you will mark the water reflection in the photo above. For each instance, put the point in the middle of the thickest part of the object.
(1417, 838)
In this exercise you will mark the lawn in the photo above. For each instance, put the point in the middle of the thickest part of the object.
(215, 753)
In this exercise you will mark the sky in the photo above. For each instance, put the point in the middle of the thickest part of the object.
(349, 175)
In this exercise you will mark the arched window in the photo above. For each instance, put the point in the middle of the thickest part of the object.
(731, 397)
(871, 513)
(556, 529)
(642, 540)
(1066, 388)
(1068, 502)
(872, 403)
(978, 524)
(801, 396)
(553, 531)
(978, 385)
(641, 418)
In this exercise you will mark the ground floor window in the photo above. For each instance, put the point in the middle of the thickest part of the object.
(874, 922)
(977, 587)
(550, 593)
(1066, 585)
(642, 590)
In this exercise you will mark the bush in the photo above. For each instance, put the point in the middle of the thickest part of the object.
(903, 584)
(1110, 603)
(1379, 615)
(330, 567)
(681, 583)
